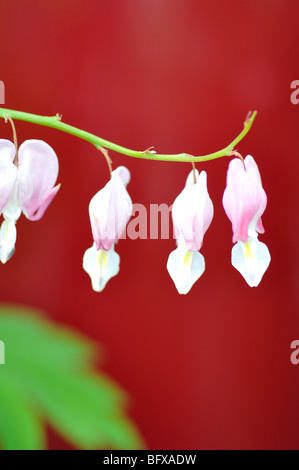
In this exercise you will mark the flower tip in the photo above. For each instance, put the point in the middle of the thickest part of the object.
(248, 117)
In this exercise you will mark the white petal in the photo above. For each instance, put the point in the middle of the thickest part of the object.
(12, 210)
(185, 268)
(101, 265)
(251, 259)
(8, 237)
(123, 173)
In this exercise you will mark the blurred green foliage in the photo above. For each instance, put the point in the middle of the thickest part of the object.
(48, 378)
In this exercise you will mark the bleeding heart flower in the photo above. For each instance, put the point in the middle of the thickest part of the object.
(244, 201)
(26, 185)
(109, 211)
(192, 213)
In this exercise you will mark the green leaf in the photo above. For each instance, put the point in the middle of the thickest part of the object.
(48, 376)
(20, 427)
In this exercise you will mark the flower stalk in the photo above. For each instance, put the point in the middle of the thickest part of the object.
(98, 142)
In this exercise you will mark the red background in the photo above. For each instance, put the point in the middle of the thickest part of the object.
(211, 369)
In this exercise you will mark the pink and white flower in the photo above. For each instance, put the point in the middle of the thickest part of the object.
(244, 201)
(192, 214)
(26, 185)
(109, 211)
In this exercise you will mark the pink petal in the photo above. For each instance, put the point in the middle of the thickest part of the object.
(244, 199)
(45, 203)
(38, 171)
(8, 171)
(252, 168)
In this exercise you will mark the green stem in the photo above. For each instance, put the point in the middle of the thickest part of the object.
(55, 121)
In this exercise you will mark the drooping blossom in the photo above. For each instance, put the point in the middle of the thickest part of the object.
(244, 201)
(26, 185)
(109, 211)
(192, 213)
